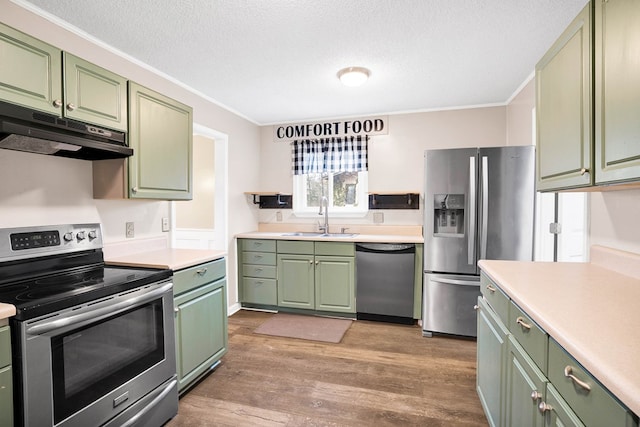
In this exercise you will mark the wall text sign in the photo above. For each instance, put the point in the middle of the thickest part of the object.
(346, 127)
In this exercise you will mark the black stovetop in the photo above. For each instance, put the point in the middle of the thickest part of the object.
(57, 290)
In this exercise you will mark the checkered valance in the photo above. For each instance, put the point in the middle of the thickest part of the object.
(342, 154)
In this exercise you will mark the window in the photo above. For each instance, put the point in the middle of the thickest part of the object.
(346, 193)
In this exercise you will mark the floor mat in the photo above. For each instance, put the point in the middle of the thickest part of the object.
(314, 328)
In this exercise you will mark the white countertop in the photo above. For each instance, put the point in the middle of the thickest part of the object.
(588, 308)
(357, 238)
(6, 310)
(174, 259)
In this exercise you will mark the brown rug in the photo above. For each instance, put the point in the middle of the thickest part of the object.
(314, 328)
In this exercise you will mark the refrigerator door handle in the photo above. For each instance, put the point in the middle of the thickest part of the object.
(485, 206)
(471, 252)
(456, 282)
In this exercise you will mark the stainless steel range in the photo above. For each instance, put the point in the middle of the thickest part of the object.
(92, 344)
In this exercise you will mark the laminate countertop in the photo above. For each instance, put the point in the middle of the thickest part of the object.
(590, 309)
(335, 237)
(174, 259)
(6, 310)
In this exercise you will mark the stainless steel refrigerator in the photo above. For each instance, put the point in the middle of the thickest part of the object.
(479, 204)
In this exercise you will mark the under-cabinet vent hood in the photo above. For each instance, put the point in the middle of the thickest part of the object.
(24, 129)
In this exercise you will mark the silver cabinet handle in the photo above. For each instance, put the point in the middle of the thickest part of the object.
(57, 103)
(257, 256)
(310, 262)
(568, 373)
(134, 190)
(71, 106)
(536, 395)
(584, 171)
(544, 407)
(258, 269)
(201, 272)
(520, 321)
(491, 288)
(176, 310)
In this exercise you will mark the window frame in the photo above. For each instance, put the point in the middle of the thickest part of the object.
(300, 197)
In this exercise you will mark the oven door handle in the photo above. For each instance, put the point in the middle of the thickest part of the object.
(99, 312)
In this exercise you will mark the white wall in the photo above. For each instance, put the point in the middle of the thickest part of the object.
(395, 160)
(38, 189)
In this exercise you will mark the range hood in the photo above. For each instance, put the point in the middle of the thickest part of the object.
(24, 129)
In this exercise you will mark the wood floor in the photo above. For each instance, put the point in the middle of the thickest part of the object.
(379, 375)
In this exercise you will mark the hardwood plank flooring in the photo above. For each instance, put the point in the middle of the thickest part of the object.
(381, 374)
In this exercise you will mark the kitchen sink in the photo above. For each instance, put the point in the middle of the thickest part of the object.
(318, 234)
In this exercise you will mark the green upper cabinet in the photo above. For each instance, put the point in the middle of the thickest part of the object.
(563, 109)
(30, 71)
(161, 135)
(40, 76)
(93, 94)
(617, 91)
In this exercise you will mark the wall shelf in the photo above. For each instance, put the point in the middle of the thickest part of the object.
(395, 200)
(271, 200)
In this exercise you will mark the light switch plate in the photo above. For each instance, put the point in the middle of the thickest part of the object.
(165, 224)
(130, 230)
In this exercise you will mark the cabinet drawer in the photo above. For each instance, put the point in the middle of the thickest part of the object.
(260, 291)
(335, 248)
(596, 406)
(495, 297)
(5, 347)
(530, 336)
(260, 258)
(258, 245)
(263, 271)
(192, 277)
(295, 247)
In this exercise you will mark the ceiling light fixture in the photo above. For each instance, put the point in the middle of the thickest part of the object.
(353, 76)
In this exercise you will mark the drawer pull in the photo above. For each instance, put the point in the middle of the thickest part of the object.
(260, 282)
(258, 269)
(536, 395)
(568, 373)
(544, 407)
(520, 321)
(257, 243)
(257, 256)
(201, 272)
(491, 288)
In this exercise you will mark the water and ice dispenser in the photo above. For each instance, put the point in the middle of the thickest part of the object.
(448, 215)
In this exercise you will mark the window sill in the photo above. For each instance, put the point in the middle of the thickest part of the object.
(358, 214)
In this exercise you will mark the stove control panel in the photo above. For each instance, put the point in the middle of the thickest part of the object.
(25, 242)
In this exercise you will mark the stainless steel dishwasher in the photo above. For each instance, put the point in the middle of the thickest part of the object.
(385, 275)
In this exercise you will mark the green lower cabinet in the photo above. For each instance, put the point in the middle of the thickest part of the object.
(6, 397)
(491, 353)
(558, 413)
(335, 284)
(296, 281)
(201, 330)
(525, 388)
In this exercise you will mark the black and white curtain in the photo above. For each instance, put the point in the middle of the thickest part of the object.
(338, 154)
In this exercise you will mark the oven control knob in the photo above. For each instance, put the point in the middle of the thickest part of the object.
(92, 234)
(80, 235)
(68, 237)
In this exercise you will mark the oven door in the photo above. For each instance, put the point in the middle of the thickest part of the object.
(88, 364)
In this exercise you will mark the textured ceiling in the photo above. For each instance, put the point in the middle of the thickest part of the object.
(275, 61)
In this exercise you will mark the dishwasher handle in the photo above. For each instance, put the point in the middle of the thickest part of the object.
(386, 247)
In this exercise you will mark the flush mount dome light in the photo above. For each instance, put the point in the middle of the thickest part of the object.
(353, 76)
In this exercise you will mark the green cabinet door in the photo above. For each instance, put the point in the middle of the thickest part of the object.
(335, 284)
(617, 91)
(161, 135)
(30, 71)
(6, 397)
(557, 411)
(524, 389)
(93, 94)
(201, 330)
(491, 362)
(296, 281)
(563, 109)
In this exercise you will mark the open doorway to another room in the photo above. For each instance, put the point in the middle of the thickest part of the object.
(201, 223)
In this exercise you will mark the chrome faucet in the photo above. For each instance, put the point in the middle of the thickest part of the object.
(324, 203)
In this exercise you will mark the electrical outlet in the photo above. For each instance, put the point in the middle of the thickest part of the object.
(279, 216)
(165, 224)
(130, 230)
(378, 218)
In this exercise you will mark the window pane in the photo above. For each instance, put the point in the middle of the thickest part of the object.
(345, 189)
(314, 189)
